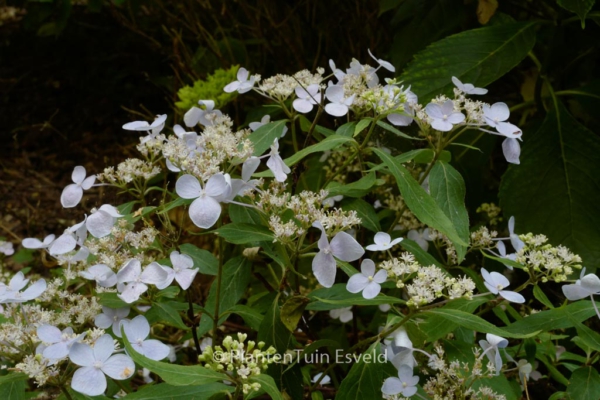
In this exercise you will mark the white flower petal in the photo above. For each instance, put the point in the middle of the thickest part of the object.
(357, 283)
(512, 296)
(89, 381)
(249, 167)
(100, 223)
(137, 329)
(336, 109)
(324, 268)
(62, 245)
(154, 274)
(367, 267)
(204, 212)
(192, 116)
(103, 321)
(511, 150)
(155, 350)
(380, 276)
(185, 277)
(56, 351)
(78, 174)
(34, 290)
(71, 195)
(49, 334)
(132, 292)
(372, 290)
(302, 106)
(130, 271)
(217, 187)
(104, 346)
(382, 238)
(110, 210)
(392, 386)
(119, 367)
(346, 248)
(188, 187)
(82, 355)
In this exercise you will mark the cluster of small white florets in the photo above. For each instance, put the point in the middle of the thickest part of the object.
(454, 380)
(280, 87)
(401, 267)
(129, 170)
(432, 283)
(238, 359)
(554, 263)
(483, 238)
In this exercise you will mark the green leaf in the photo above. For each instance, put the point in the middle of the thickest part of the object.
(292, 310)
(14, 389)
(164, 313)
(557, 318)
(436, 327)
(447, 188)
(235, 279)
(423, 257)
(589, 337)
(252, 318)
(338, 296)
(361, 125)
(263, 137)
(419, 202)
(332, 142)
(553, 190)
(579, 7)
(163, 391)
(245, 233)
(366, 376)
(504, 261)
(244, 215)
(206, 262)
(539, 294)
(272, 331)
(584, 384)
(355, 189)
(111, 300)
(475, 323)
(268, 385)
(365, 212)
(395, 131)
(177, 375)
(478, 56)
(347, 129)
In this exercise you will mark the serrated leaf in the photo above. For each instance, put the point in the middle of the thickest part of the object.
(478, 56)
(584, 384)
(361, 125)
(164, 391)
(419, 202)
(476, 323)
(245, 233)
(268, 385)
(177, 375)
(579, 7)
(263, 137)
(365, 378)
(447, 188)
(355, 189)
(272, 331)
(292, 310)
(235, 279)
(553, 190)
(204, 260)
(365, 212)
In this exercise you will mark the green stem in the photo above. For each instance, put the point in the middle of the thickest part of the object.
(369, 133)
(66, 392)
(218, 291)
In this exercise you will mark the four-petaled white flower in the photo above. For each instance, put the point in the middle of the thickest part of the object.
(420, 236)
(206, 208)
(382, 63)
(343, 314)
(367, 281)
(491, 348)
(183, 271)
(96, 362)
(33, 243)
(276, 164)
(306, 98)
(101, 222)
(407, 117)
(383, 242)
(154, 129)
(72, 194)
(443, 116)
(468, 88)
(496, 115)
(102, 274)
(338, 106)
(243, 84)
(136, 281)
(342, 246)
(496, 283)
(405, 384)
(136, 331)
(57, 343)
(205, 116)
(112, 317)
(11, 293)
